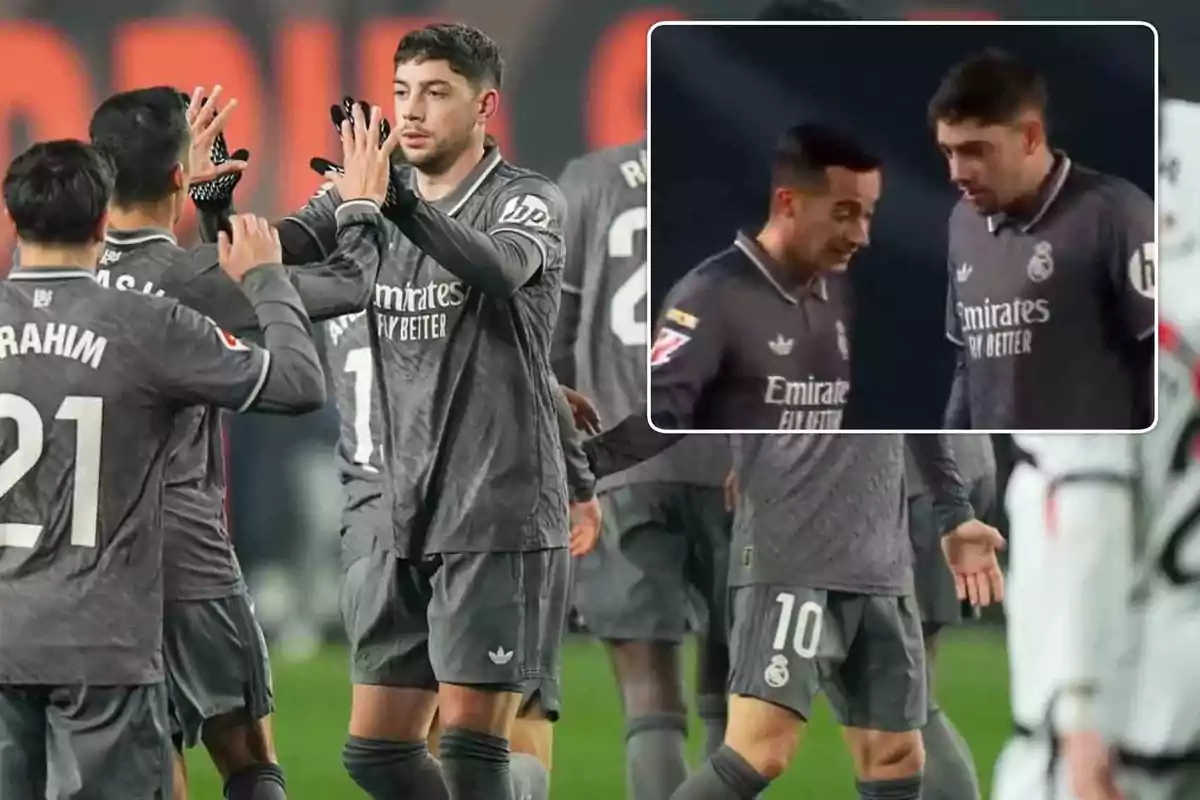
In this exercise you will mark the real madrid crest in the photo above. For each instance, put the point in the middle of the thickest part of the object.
(1041, 263)
(843, 342)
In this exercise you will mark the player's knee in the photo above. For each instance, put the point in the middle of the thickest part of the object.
(768, 751)
(649, 677)
(256, 782)
(236, 742)
(385, 769)
(883, 756)
(488, 709)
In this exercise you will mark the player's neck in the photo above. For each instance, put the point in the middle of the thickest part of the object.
(433, 187)
(1039, 172)
(41, 256)
(772, 241)
(138, 217)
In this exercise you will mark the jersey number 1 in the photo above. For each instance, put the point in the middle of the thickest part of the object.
(88, 414)
(623, 307)
(359, 364)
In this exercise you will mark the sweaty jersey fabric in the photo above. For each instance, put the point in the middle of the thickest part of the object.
(1053, 313)
(92, 382)
(470, 427)
(830, 512)
(198, 558)
(605, 275)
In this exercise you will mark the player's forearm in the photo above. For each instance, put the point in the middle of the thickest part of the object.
(495, 264)
(934, 458)
(580, 479)
(958, 406)
(342, 283)
(627, 444)
(1091, 522)
(295, 382)
(566, 331)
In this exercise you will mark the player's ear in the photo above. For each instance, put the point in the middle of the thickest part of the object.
(783, 201)
(179, 177)
(1033, 132)
(102, 227)
(489, 104)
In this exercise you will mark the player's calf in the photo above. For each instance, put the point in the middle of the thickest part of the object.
(648, 673)
(243, 751)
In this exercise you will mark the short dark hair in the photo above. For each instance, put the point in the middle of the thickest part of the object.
(469, 51)
(144, 133)
(805, 151)
(992, 88)
(801, 10)
(57, 193)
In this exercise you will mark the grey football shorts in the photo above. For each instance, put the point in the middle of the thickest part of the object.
(660, 566)
(866, 652)
(217, 663)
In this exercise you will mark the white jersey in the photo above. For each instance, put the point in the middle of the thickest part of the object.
(1104, 584)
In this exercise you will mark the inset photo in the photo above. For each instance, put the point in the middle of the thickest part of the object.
(903, 226)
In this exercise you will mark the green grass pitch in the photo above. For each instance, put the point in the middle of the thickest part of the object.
(313, 700)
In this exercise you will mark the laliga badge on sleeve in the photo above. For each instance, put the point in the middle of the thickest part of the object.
(666, 345)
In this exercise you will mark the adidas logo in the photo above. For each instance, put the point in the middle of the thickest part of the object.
(500, 656)
(964, 272)
(781, 346)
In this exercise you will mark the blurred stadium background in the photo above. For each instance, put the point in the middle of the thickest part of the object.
(574, 82)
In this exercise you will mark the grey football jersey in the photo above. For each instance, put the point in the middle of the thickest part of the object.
(826, 511)
(470, 427)
(199, 560)
(92, 382)
(973, 454)
(1053, 312)
(606, 269)
(742, 344)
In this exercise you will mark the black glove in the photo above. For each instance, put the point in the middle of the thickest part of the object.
(217, 193)
(399, 198)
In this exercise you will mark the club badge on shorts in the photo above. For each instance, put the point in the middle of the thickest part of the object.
(776, 674)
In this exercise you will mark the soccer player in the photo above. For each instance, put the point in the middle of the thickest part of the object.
(758, 336)
(949, 768)
(460, 325)
(821, 599)
(373, 576)
(218, 673)
(1051, 266)
(95, 388)
(666, 528)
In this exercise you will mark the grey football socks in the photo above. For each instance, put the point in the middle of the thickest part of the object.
(256, 782)
(725, 776)
(713, 710)
(896, 789)
(949, 766)
(388, 770)
(529, 778)
(655, 762)
(475, 765)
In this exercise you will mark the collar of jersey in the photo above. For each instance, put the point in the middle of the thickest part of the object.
(452, 203)
(1051, 188)
(139, 236)
(50, 274)
(773, 270)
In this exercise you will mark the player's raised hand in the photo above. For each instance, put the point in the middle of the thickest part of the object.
(207, 119)
(366, 161)
(585, 526)
(970, 551)
(251, 242)
(585, 415)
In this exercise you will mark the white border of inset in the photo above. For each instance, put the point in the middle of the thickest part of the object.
(1008, 23)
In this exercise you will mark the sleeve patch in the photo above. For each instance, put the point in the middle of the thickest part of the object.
(683, 318)
(1143, 269)
(230, 341)
(666, 345)
(528, 210)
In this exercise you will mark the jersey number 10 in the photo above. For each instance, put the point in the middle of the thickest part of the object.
(88, 414)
